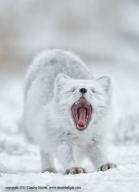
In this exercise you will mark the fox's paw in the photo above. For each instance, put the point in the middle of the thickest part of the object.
(107, 166)
(50, 170)
(75, 170)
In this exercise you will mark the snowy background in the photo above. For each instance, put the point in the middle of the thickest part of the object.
(106, 35)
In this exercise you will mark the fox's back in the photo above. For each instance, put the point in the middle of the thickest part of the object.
(46, 66)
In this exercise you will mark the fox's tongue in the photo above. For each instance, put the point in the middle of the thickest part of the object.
(82, 118)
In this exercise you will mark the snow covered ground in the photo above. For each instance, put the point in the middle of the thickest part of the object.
(20, 161)
(23, 170)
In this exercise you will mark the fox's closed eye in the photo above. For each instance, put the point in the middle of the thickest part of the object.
(93, 90)
(73, 89)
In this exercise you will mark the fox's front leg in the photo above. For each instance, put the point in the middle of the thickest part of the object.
(66, 158)
(99, 158)
(47, 162)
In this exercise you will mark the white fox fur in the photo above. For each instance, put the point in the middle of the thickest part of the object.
(52, 86)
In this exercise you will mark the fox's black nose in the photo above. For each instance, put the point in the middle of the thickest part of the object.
(83, 90)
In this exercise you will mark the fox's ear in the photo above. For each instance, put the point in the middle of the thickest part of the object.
(61, 79)
(105, 82)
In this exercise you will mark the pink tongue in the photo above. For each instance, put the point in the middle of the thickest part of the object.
(82, 115)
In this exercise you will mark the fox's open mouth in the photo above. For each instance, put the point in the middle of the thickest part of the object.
(81, 112)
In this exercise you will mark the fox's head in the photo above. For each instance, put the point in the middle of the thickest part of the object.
(82, 102)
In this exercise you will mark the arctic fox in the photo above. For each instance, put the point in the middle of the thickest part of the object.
(66, 112)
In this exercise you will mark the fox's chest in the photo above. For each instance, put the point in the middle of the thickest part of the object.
(82, 141)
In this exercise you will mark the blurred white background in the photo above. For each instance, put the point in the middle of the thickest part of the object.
(104, 33)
